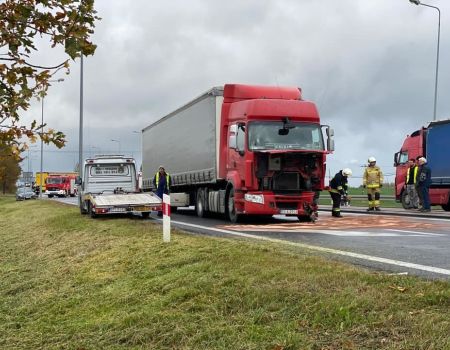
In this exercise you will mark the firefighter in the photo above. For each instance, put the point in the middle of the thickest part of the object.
(373, 181)
(338, 188)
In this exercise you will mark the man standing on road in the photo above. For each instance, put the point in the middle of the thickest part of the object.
(162, 183)
(411, 183)
(338, 187)
(423, 184)
(373, 181)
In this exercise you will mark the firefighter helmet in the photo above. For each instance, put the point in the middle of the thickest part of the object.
(371, 160)
(347, 172)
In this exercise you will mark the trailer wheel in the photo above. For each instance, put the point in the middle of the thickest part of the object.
(200, 203)
(230, 208)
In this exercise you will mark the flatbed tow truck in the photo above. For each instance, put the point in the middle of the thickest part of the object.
(109, 186)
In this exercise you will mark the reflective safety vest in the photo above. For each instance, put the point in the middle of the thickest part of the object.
(373, 177)
(415, 169)
(157, 180)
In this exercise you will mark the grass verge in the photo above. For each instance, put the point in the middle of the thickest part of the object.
(70, 282)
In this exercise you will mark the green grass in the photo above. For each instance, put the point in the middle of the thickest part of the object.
(71, 282)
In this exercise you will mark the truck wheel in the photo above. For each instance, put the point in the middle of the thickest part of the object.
(446, 207)
(50, 196)
(91, 210)
(200, 203)
(230, 208)
(83, 210)
(305, 218)
(406, 203)
(145, 214)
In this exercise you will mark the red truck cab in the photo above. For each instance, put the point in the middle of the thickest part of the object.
(431, 142)
(275, 156)
(61, 185)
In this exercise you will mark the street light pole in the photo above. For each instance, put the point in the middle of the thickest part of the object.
(417, 2)
(80, 138)
(41, 178)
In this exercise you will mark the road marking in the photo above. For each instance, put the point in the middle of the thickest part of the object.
(433, 269)
(417, 232)
(358, 233)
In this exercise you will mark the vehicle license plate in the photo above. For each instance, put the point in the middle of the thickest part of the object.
(118, 210)
(142, 208)
(288, 211)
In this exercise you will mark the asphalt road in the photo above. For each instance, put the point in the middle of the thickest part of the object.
(394, 241)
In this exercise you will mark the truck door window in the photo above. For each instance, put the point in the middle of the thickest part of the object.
(403, 158)
(240, 138)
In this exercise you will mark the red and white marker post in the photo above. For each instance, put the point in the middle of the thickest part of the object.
(166, 218)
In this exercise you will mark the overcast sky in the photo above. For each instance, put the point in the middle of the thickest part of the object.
(369, 65)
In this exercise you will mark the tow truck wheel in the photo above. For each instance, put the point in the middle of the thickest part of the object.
(230, 208)
(83, 209)
(91, 210)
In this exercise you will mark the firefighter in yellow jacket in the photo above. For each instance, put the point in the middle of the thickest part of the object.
(373, 181)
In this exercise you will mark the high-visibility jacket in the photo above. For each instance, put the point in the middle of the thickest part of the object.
(156, 181)
(415, 169)
(373, 177)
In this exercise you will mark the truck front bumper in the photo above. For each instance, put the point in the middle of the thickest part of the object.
(263, 203)
(55, 193)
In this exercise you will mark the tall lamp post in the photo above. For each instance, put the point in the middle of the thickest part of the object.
(42, 141)
(417, 2)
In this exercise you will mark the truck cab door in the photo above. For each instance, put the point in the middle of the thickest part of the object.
(236, 149)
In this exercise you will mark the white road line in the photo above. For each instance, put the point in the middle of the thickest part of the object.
(389, 214)
(326, 250)
(417, 232)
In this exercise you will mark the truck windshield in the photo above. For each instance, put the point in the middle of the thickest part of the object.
(299, 136)
(54, 180)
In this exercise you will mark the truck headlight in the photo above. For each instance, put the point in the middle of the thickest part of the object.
(254, 198)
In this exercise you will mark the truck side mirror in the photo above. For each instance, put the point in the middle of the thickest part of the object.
(330, 144)
(330, 132)
(78, 181)
(232, 140)
(396, 158)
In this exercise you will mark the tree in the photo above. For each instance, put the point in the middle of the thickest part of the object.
(9, 169)
(65, 23)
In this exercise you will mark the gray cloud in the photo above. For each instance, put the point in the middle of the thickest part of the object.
(369, 66)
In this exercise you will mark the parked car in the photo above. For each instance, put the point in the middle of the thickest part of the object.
(25, 193)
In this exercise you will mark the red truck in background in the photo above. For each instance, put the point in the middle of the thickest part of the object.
(432, 142)
(241, 150)
(61, 185)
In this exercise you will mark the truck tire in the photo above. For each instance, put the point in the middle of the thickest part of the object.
(446, 207)
(200, 204)
(230, 208)
(50, 196)
(83, 209)
(91, 210)
(145, 215)
(405, 200)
